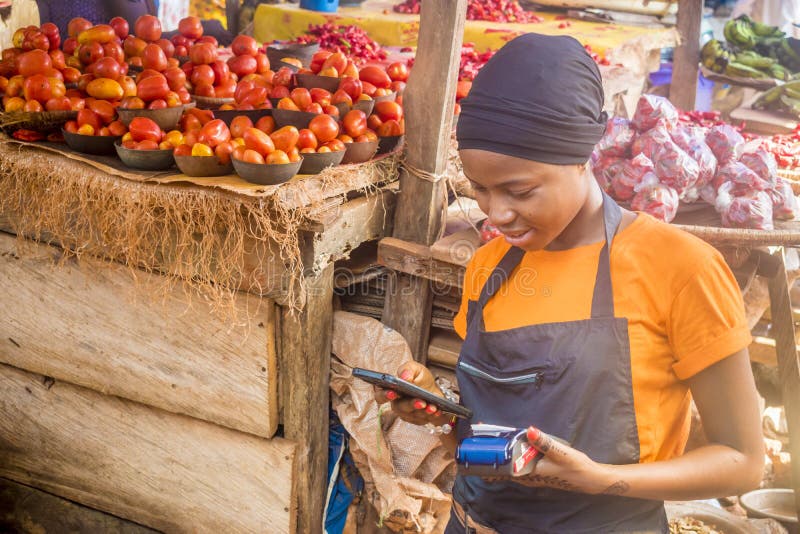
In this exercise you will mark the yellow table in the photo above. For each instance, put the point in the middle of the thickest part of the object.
(287, 21)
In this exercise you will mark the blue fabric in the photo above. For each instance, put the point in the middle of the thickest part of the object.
(344, 481)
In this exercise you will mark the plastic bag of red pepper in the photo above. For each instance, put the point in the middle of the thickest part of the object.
(663, 157)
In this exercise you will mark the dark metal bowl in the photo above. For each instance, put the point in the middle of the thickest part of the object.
(228, 115)
(97, 145)
(360, 152)
(167, 118)
(303, 52)
(389, 144)
(316, 163)
(207, 102)
(365, 105)
(288, 117)
(263, 174)
(310, 81)
(390, 97)
(146, 160)
(202, 166)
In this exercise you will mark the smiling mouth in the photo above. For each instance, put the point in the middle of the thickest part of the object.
(515, 234)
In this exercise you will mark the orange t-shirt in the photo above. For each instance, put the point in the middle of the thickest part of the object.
(683, 306)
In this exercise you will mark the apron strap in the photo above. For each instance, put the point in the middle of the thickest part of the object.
(603, 296)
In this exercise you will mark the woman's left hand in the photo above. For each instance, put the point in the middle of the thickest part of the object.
(562, 467)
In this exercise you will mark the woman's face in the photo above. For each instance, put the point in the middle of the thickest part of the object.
(530, 202)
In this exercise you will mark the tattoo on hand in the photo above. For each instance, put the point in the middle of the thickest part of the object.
(620, 487)
(551, 482)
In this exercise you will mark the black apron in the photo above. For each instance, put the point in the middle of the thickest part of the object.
(571, 380)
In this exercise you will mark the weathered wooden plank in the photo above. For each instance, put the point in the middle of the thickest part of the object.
(169, 472)
(414, 259)
(683, 90)
(84, 323)
(788, 364)
(444, 349)
(304, 363)
(457, 248)
(421, 205)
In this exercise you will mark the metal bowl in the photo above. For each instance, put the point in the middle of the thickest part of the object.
(167, 118)
(316, 163)
(773, 503)
(288, 117)
(263, 174)
(389, 144)
(360, 152)
(365, 105)
(310, 81)
(146, 160)
(391, 97)
(228, 115)
(98, 145)
(208, 102)
(202, 166)
(303, 52)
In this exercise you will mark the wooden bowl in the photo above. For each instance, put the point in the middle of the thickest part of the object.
(389, 144)
(771, 503)
(310, 81)
(288, 117)
(207, 102)
(202, 166)
(228, 115)
(97, 145)
(316, 163)
(303, 52)
(360, 152)
(167, 118)
(263, 174)
(146, 160)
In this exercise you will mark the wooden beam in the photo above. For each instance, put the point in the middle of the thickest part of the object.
(685, 60)
(420, 208)
(416, 260)
(90, 323)
(304, 364)
(170, 472)
(788, 363)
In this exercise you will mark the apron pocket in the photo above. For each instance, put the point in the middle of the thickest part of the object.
(534, 375)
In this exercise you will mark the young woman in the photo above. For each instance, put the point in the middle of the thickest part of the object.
(586, 322)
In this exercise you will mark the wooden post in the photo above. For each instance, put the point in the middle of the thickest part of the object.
(788, 365)
(304, 364)
(232, 16)
(420, 206)
(683, 90)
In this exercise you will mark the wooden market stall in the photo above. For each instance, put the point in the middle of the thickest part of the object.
(135, 377)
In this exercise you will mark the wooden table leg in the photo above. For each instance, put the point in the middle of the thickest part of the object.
(788, 365)
(305, 372)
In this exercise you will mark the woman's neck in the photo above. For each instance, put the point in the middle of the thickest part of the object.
(587, 227)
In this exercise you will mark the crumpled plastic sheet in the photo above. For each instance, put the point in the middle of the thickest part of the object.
(652, 108)
(753, 209)
(406, 470)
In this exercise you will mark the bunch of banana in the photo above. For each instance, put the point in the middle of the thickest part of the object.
(715, 56)
(783, 98)
(739, 32)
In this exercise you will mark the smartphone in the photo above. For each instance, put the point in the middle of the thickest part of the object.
(398, 385)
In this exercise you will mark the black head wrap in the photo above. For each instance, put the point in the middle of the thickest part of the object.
(540, 97)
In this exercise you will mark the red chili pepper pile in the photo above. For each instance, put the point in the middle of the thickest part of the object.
(351, 40)
(785, 148)
(600, 60)
(491, 10)
(472, 61)
(706, 119)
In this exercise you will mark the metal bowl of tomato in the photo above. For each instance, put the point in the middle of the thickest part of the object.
(290, 117)
(228, 115)
(266, 173)
(316, 162)
(145, 160)
(166, 118)
(98, 145)
(302, 51)
(360, 152)
(390, 143)
(203, 166)
(311, 81)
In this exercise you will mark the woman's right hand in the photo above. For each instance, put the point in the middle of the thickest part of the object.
(414, 411)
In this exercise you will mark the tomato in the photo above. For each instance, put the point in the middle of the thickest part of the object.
(69, 47)
(202, 74)
(251, 156)
(184, 96)
(215, 132)
(337, 60)
(147, 27)
(209, 39)
(87, 129)
(340, 97)
(104, 110)
(77, 103)
(183, 150)
(153, 57)
(71, 126)
(398, 72)
(152, 88)
(255, 97)
(266, 124)
(121, 27)
(369, 135)
(227, 89)
(202, 150)
(279, 91)
(173, 99)
(181, 40)
(329, 72)
(77, 25)
(316, 109)
(307, 139)
(333, 111)
(278, 157)
(117, 128)
(37, 87)
(33, 62)
(181, 51)
(388, 110)
(158, 103)
(223, 152)
(107, 68)
(204, 115)
(87, 116)
(57, 88)
(346, 139)
(57, 59)
(376, 76)
(132, 102)
(321, 96)
(335, 145)
(176, 78)
(14, 103)
(238, 150)
(128, 86)
(167, 47)
(283, 77)
(102, 33)
(351, 71)
(324, 127)
(355, 122)
(261, 142)
(374, 122)
(147, 144)
(389, 128)
(133, 46)
(205, 90)
(189, 123)
(50, 30)
(262, 63)
(301, 97)
(142, 128)
(288, 104)
(190, 27)
(318, 59)
(90, 53)
(58, 104)
(105, 88)
(239, 124)
(351, 86)
(15, 86)
(244, 45)
(242, 65)
(203, 54)
(222, 73)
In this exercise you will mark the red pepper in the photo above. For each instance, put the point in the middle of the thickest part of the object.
(27, 135)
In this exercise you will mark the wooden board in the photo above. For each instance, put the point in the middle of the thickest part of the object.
(416, 260)
(79, 322)
(169, 472)
(763, 122)
(444, 348)
(457, 248)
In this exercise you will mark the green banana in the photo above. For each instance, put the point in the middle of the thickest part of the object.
(765, 30)
(791, 105)
(727, 31)
(752, 59)
(778, 71)
(743, 71)
(791, 93)
(743, 34)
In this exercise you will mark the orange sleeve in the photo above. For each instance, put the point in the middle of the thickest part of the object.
(706, 321)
